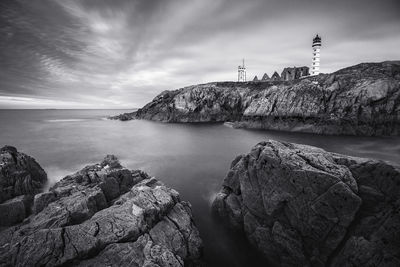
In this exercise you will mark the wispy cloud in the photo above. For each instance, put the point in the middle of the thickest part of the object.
(121, 53)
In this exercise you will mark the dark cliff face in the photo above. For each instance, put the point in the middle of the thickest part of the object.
(302, 206)
(359, 100)
(200, 103)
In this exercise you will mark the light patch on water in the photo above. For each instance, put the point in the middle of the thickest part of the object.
(229, 124)
(66, 120)
(210, 197)
(133, 164)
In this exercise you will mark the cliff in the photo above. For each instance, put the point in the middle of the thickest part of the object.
(302, 206)
(360, 100)
(104, 215)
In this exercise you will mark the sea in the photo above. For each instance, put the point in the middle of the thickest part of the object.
(191, 158)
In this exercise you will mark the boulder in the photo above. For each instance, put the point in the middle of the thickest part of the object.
(302, 206)
(20, 174)
(21, 177)
(105, 215)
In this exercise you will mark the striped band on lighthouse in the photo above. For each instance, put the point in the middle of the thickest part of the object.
(316, 47)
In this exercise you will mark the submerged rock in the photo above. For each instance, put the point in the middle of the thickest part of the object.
(105, 215)
(359, 100)
(21, 177)
(124, 116)
(302, 206)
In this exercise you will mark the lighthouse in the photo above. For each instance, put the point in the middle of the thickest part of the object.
(316, 46)
(242, 73)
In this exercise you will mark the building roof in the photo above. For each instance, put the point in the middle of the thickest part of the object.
(275, 75)
(265, 77)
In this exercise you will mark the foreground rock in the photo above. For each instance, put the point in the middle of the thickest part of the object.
(21, 177)
(105, 215)
(302, 206)
(359, 100)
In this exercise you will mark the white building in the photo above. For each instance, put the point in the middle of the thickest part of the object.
(242, 73)
(316, 46)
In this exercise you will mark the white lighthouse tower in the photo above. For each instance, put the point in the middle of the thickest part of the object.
(316, 46)
(242, 73)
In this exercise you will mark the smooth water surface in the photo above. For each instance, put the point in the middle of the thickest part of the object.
(192, 158)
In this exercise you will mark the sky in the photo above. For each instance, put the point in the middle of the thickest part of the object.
(122, 53)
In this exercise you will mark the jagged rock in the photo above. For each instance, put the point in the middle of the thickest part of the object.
(359, 100)
(21, 177)
(123, 117)
(15, 210)
(302, 206)
(19, 174)
(105, 215)
(42, 200)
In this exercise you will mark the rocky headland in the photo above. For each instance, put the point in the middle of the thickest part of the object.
(302, 206)
(103, 215)
(360, 100)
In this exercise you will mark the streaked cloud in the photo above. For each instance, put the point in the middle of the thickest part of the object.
(121, 53)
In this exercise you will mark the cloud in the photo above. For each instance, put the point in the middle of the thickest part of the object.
(120, 54)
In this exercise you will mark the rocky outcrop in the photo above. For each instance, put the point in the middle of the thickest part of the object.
(21, 177)
(302, 206)
(19, 174)
(104, 215)
(359, 100)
